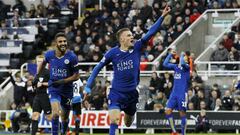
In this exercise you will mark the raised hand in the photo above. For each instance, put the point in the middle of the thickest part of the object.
(166, 10)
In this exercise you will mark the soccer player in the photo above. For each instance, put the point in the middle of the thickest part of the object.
(76, 103)
(126, 61)
(63, 71)
(41, 100)
(178, 97)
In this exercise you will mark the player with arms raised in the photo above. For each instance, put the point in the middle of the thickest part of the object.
(178, 97)
(126, 62)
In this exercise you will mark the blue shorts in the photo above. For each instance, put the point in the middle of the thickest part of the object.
(63, 99)
(125, 101)
(177, 102)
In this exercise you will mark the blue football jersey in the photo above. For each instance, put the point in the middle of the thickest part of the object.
(125, 63)
(181, 76)
(61, 68)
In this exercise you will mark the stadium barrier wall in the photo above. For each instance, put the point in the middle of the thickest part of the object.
(227, 120)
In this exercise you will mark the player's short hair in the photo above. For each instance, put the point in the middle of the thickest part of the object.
(119, 32)
(60, 34)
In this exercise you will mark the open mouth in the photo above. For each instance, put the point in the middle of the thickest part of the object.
(132, 41)
(63, 47)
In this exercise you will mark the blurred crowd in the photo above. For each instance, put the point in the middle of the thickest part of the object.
(91, 37)
(228, 49)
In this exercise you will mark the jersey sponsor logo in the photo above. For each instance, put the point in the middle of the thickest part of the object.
(177, 76)
(66, 61)
(125, 65)
(59, 72)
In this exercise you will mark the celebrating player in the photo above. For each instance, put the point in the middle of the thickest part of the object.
(63, 71)
(126, 61)
(178, 97)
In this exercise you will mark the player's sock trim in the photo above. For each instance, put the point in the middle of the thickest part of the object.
(171, 122)
(183, 125)
(55, 126)
(113, 128)
(34, 127)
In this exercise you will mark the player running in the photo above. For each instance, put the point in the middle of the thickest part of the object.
(63, 71)
(125, 58)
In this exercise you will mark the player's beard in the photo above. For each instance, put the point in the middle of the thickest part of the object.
(130, 47)
(62, 48)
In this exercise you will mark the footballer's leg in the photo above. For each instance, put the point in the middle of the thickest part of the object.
(56, 109)
(168, 113)
(35, 115)
(66, 107)
(183, 122)
(129, 114)
(114, 115)
(182, 105)
(128, 119)
(76, 114)
(55, 100)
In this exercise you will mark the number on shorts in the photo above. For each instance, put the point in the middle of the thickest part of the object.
(184, 104)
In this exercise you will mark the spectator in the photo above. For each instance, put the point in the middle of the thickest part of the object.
(145, 12)
(20, 6)
(218, 105)
(41, 10)
(191, 106)
(212, 100)
(233, 56)
(20, 120)
(221, 54)
(32, 11)
(96, 98)
(202, 123)
(53, 9)
(19, 90)
(227, 100)
(155, 84)
(167, 84)
(4, 35)
(159, 101)
(194, 16)
(227, 42)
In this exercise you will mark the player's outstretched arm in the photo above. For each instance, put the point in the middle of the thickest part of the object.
(156, 26)
(92, 77)
(167, 63)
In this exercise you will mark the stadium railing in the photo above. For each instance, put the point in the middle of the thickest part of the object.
(193, 38)
(104, 72)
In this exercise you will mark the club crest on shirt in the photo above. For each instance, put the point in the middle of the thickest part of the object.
(177, 76)
(66, 61)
